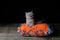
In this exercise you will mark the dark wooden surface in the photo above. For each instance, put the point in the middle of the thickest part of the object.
(8, 32)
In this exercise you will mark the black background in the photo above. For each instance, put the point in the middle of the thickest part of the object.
(14, 11)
